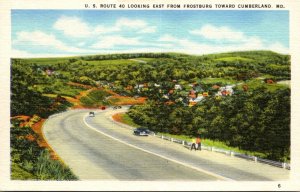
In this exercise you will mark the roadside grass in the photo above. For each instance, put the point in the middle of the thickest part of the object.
(124, 118)
(223, 145)
(30, 161)
(179, 137)
(47, 168)
(216, 144)
(18, 173)
(123, 100)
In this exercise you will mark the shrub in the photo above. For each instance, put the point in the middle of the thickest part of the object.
(29, 161)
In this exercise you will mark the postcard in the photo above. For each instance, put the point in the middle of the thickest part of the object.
(149, 95)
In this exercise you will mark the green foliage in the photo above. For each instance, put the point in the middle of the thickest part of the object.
(25, 99)
(119, 62)
(220, 81)
(162, 67)
(59, 88)
(95, 98)
(127, 120)
(257, 121)
(233, 59)
(255, 84)
(17, 173)
(70, 91)
(47, 169)
(84, 80)
(208, 142)
(29, 161)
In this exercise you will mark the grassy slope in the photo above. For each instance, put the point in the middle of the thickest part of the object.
(94, 98)
(48, 60)
(226, 81)
(18, 173)
(124, 118)
(109, 62)
(230, 59)
(255, 83)
(32, 160)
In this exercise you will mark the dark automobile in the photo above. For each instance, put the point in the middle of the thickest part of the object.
(117, 107)
(92, 114)
(141, 131)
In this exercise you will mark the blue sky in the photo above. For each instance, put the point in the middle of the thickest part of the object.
(44, 33)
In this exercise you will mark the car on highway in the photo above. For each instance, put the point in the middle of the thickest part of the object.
(92, 114)
(141, 131)
(117, 107)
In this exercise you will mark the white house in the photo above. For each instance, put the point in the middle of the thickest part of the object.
(177, 86)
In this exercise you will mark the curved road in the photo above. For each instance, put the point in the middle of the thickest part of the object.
(97, 148)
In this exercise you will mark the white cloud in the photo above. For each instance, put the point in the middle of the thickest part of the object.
(116, 40)
(137, 24)
(181, 45)
(41, 39)
(103, 30)
(76, 27)
(150, 29)
(192, 47)
(15, 53)
(130, 23)
(167, 38)
(219, 33)
(80, 44)
(72, 26)
(20, 54)
(278, 47)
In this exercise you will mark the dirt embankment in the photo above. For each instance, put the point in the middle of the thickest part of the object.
(114, 99)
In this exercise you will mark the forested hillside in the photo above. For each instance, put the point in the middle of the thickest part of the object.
(238, 98)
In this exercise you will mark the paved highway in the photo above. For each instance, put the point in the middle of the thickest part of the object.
(97, 148)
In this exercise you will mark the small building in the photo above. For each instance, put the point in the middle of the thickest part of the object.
(192, 96)
(192, 103)
(171, 91)
(205, 94)
(270, 81)
(165, 96)
(139, 86)
(199, 98)
(156, 85)
(177, 86)
(129, 87)
(49, 72)
(227, 90)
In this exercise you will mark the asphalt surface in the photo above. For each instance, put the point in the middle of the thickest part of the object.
(98, 148)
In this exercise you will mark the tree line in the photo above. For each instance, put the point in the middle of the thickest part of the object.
(256, 121)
